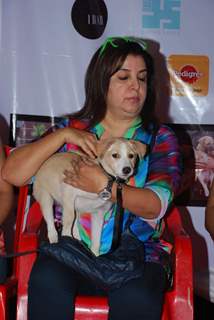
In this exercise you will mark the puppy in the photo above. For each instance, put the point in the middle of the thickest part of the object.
(116, 156)
(204, 176)
(206, 144)
(204, 149)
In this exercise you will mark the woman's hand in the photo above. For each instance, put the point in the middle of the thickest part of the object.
(86, 175)
(84, 139)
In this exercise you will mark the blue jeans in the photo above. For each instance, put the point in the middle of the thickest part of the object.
(53, 287)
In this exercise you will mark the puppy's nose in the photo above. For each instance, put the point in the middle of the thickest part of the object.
(126, 170)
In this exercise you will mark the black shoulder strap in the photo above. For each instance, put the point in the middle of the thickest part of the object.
(153, 137)
(118, 221)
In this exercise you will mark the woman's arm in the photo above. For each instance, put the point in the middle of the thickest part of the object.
(6, 191)
(203, 160)
(23, 162)
(209, 213)
(90, 177)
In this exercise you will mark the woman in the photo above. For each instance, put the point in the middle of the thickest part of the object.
(119, 102)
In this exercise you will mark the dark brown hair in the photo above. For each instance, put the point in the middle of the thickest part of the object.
(102, 66)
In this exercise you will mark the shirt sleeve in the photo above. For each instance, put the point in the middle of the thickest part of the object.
(72, 123)
(64, 123)
(164, 172)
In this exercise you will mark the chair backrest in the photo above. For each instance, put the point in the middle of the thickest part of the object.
(26, 239)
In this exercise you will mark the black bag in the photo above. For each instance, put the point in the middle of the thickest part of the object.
(110, 270)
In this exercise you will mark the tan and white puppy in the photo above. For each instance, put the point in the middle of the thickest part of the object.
(205, 176)
(204, 150)
(116, 156)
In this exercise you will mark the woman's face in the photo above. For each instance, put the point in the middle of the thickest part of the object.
(127, 89)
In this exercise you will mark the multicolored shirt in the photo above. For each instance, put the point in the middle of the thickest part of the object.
(160, 172)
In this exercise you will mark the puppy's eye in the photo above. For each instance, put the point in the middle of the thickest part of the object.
(115, 155)
(130, 155)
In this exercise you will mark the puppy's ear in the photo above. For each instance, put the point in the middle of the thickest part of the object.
(102, 146)
(141, 148)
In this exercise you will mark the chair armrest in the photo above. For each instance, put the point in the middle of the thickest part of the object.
(180, 297)
(28, 224)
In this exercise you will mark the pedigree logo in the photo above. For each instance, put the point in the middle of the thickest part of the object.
(189, 75)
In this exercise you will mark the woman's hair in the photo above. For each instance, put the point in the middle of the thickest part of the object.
(106, 61)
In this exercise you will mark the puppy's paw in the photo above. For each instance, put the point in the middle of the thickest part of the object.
(66, 232)
(53, 236)
(95, 250)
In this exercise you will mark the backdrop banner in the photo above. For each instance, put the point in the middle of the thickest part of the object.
(46, 45)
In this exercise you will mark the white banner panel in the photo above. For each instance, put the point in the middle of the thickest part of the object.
(44, 55)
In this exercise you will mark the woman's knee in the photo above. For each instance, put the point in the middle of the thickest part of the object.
(51, 291)
(48, 273)
(141, 298)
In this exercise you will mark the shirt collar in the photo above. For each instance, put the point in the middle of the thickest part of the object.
(99, 129)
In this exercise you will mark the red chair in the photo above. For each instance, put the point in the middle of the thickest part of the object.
(178, 301)
(8, 289)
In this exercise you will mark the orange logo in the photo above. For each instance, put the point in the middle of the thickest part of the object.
(189, 75)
